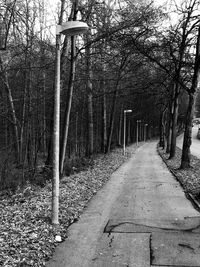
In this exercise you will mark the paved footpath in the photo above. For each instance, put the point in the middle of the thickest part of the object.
(140, 218)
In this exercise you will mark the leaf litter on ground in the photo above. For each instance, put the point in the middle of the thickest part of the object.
(188, 178)
(27, 236)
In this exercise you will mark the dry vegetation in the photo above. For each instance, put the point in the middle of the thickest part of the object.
(26, 233)
(189, 178)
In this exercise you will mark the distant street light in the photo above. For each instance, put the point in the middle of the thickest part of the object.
(137, 133)
(125, 111)
(70, 28)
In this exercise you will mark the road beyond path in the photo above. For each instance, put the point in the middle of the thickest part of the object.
(140, 218)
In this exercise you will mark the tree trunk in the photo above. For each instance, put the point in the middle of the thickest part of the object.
(104, 118)
(49, 159)
(162, 130)
(185, 160)
(6, 125)
(44, 114)
(89, 74)
(63, 144)
(129, 132)
(174, 123)
(169, 130)
(30, 159)
(140, 131)
(90, 121)
(187, 140)
(23, 120)
(76, 134)
(120, 126)
(112, 118)
(31, 128)
(13, 115)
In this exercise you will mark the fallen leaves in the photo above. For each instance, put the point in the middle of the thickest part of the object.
(27, 237)
(189, 178)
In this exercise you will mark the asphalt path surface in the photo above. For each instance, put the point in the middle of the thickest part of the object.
(195, 147)
(140, 218)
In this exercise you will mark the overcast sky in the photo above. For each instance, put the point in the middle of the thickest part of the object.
(52, 15)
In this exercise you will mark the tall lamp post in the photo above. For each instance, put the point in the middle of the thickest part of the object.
(124, 145)
(70, 28)
(137, 132)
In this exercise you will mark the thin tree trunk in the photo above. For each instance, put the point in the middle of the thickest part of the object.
(162, 130)
(129, 132)
(13, 115)
(120, 126)
(140, 131)
(44, 114)
(29, 147)
(187, 140)
(76, 134)
(89, 74)
(31, 128)
(49, 159)
(23, 118)
(169, 130)
(174, 122)
(90, 118)
(182, 48)
(114, 104)
(112, 117)
(185, 160)
(63, 144)
(104, 118)
(5, 101)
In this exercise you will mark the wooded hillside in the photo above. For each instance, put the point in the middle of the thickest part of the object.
(131, 57)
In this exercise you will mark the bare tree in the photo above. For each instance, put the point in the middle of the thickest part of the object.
(192, 92)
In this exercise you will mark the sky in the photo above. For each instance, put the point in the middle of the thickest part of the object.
(51, 6)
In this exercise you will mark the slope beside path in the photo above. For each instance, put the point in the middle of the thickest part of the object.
(195, 146)
(27, 236)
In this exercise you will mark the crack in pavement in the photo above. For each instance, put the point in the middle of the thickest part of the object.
(110, 242)
(186, 246)
(178, 226)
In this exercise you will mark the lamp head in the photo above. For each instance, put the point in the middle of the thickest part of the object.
(72, 28)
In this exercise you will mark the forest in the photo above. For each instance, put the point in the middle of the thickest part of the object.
(133, 76)
(135, 55)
